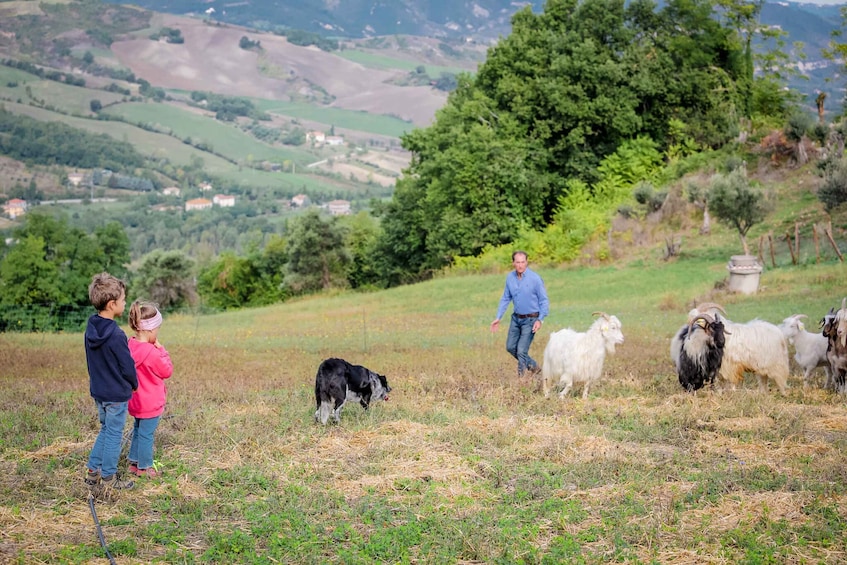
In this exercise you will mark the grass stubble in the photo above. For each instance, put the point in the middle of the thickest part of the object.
(464, 464)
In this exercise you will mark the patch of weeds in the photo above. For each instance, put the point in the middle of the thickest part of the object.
(118, 521)
(601, 472)
(125, 547)
(563, 549)
(179, 555)
(78, 553)
(826, 524)
(229, 547)
(184, 515)
(538, 482)
(761, 478)
(240, 482)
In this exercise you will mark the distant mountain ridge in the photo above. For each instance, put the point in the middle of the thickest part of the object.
(359, 18)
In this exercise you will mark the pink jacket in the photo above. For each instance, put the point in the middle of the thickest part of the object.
(153, 365)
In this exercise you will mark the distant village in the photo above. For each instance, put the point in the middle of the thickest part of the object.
(16, 207)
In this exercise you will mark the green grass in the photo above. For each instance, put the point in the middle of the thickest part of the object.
(225, 139)
(464, 463)
(70, 99)
(348, 119)
(148, 143)
(382, 62)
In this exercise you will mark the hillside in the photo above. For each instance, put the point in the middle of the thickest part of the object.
(465, 463)
(361, 18)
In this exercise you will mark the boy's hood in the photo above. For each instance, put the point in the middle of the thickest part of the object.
(99, 330)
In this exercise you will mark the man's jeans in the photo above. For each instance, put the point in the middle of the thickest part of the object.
(141, 448)
(107, 447)
(519, 340)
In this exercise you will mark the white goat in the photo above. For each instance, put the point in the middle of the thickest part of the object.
(810, 349)
(756, 346)
(573, 357)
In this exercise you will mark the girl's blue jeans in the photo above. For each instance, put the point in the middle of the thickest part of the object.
(141, 448)
(107, 447)
(518, 342)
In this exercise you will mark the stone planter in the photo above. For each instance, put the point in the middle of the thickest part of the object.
(744, 271)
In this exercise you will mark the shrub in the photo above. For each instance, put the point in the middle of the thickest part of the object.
(833, 192)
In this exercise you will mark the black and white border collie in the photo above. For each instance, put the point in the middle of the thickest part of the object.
(338, 382)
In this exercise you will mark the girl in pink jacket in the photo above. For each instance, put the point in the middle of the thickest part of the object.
(152, 365)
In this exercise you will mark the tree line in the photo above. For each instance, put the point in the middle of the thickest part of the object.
(48, 263)
(525, 137)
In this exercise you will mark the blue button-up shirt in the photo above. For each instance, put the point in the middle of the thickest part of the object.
(528, 294)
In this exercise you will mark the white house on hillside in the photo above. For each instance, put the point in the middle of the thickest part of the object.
(316, 136)
(198, 204)
(338, 207)
(14, 208)
(300, 201)
(224, 200)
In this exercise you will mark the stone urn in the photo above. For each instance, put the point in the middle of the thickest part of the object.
(744, 271)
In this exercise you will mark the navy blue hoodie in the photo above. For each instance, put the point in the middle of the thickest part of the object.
(111, 369)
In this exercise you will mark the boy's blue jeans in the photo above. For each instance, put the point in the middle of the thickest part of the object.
(518, 342)
(107, 447)
(141, 448)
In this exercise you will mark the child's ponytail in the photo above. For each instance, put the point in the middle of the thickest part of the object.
(139, 311)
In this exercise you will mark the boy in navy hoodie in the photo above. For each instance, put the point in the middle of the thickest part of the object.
(112, 380)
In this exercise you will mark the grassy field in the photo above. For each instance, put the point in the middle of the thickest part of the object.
(72, 99)
(465, 463)
(225, 139)
(348, 119)
(380, 61)
(147, 142)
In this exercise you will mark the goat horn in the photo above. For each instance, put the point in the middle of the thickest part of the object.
(706, 305)
(798, 316)
(703, 316)
(600, 314)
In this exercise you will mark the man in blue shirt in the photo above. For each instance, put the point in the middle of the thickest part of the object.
(526, 290)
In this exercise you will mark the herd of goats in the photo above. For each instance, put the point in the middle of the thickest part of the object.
(709, 346)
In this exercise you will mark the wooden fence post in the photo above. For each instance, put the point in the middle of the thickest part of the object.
(834, 245)
(770, 242)
(817, 244)
(790, 248)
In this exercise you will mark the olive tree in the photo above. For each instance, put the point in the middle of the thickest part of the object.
(736, 203)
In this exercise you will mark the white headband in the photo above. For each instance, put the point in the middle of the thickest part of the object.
(151, 323)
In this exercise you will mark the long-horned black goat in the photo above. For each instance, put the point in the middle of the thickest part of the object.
(834, 328)
(698, 350)
(756, 346)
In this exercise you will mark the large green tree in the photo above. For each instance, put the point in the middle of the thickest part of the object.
(564, 90)
(317, 258)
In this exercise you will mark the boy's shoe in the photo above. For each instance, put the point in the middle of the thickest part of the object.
(149, 472)
(92, 478)
(113, 483)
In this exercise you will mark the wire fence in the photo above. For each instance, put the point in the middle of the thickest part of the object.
(53, 318)
(30, 318)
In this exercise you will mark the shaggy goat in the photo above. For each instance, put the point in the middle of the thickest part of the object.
(573, 357)
(810, 349)
(756, 346)
(835, 330)
(699, 351)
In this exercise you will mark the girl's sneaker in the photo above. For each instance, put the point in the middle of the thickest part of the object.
(150, 473)
(133, 468)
